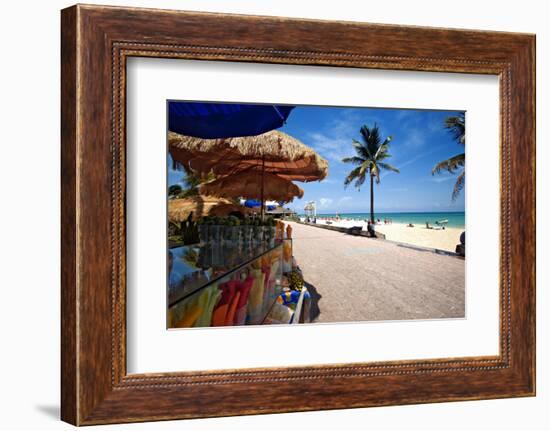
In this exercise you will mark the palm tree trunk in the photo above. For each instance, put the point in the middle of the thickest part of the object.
(371, 199)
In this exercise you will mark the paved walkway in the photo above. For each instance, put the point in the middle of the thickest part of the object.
(357, 278)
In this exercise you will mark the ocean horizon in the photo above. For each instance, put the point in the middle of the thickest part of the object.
(454, 218)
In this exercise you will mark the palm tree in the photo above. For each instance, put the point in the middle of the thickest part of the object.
(456, 126)
(369, 160)
(192, 180)
(174, 190)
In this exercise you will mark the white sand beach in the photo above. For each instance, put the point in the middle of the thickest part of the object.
(419, 235)
(443, 239)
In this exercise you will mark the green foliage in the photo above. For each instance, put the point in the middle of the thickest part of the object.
(457, 164)
(456, 125)
(270, 221)
(371, 153)
(174, 190)
(295, 280)
(173, 228)
(191, 183)
(233, 221)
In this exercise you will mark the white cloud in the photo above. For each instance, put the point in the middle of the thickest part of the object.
(330, 146)
(345, 199)
(335, 142)
(415, 138)
(400, 166)
(403, 115)
(325, 202)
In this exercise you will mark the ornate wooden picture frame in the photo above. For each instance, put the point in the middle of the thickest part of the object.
(96, 41)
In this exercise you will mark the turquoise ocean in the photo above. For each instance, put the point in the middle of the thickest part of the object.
(455, 219)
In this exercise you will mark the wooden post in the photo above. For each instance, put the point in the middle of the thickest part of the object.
(262, 207)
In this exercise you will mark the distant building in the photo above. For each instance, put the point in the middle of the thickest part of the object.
(311, 209)
(280, 211)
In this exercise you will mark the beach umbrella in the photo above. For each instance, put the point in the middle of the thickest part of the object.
(225, 120)
(201, 206)
(255, 203)
(252, 203)
(274, 151)
(252, 185)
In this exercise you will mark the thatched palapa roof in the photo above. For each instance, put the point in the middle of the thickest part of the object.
(201, 206)
(278, 152)
(249, 185)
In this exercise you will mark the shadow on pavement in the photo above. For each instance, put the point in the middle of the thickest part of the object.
(314, 310)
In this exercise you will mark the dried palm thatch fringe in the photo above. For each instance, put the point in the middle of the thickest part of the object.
(253, 185)
(201, 206)
(282, 154)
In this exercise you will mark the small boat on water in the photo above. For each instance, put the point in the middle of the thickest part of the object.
(441, 223)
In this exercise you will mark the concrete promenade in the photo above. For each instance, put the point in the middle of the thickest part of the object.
(356, 278)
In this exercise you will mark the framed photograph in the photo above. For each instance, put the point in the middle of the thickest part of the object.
(267, 215)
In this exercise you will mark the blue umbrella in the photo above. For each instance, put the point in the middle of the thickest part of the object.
(252, 203)
(224, 120)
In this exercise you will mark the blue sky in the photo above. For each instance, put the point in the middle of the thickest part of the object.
(419, 142)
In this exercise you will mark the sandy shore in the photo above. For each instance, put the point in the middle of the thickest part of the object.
(446, 239)
(354, 278)
(442, 239)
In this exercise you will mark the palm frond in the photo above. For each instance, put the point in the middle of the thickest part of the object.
(457, 127)
(459, 184)
(354, 160)
(370, 152)
(387, 167)
(450, 165)
(359, 182)
(365, 133)
(383, 148)
(352, 175)
(383, 156)
(365, 167)
(362, 150)
(373, 144)
(387, 141)
(375, 172)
